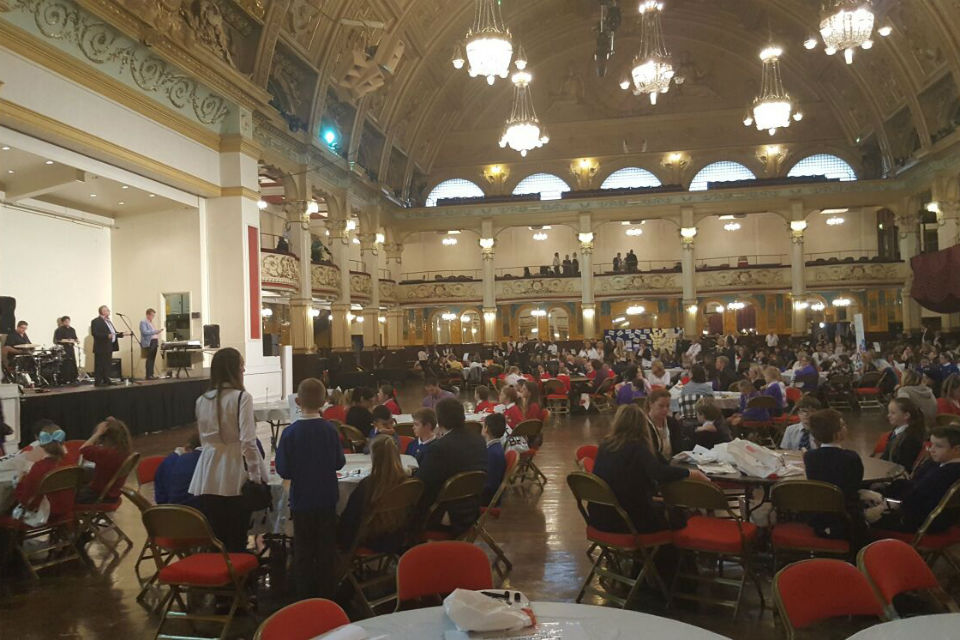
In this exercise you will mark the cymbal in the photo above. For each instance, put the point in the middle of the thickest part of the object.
(27, 346)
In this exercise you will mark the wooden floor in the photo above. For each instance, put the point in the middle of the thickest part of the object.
(542, 532)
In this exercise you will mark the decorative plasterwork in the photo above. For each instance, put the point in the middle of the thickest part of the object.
(441, 291)
(533, 287)
(845, 275)
(325, 279)
(360, 285)
(741, 279)
(388, 291)
(89, 39)
(279, 272)
(636, 283)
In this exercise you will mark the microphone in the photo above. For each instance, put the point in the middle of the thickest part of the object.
(121, 315)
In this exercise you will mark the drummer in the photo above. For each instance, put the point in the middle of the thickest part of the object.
(66, 336)
(14, 340)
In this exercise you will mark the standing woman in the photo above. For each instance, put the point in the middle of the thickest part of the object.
(229, 457)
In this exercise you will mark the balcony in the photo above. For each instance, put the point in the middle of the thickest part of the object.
(325, 279)
(439, 291)
(361, 285)
(646, 283)
(852, 274)
(279, 271)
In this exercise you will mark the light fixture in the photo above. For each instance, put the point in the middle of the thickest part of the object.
(486, 243)
(125, 187)
(619, 319)
(885, 30)
(350, 317)
(121, 202)
(351, 224)
(360, 319)
(634, 231)
(540, 235)
(823, 324)
(152, 195)
(833, 212)
(92, 195)
(818, 306)
(313, 207)
(380, 238)
(10, 171)
(449, 241)
(4, 148)
(810, 43)
(585, 238)
(719, 308)
(535, 330)
(773, 108)
(314, 313)
(261, 204)
(488, 44)
(266, 312)
(933, 207)
(382, 319)
(356, 241)
(834, 221)
(731, 226)
(800, 305)
(464, 318)
(453, 232)
(841, 302)
(688, 232)
(449, 317)
(652, 70)
(692, 308)
(489, 315)
(635, 310)
(589, 313)
(798, 226)
(728, 217)
(846, 25)
(538, 313)
(48, 162)
(522, 131)
(736, 306)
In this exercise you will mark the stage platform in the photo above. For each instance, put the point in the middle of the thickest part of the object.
(145, 406)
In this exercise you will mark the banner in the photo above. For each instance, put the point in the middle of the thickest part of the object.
(633, 339)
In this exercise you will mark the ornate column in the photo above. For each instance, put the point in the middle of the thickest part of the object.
(393, 331)
(371, 312)
(908, 222)
(946, 195)
(798, 285)
(301, 304)
(340, 339)
(688, 274)
(587, 301)
(487, 244)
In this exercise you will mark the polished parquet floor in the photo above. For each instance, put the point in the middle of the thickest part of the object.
(541, 531)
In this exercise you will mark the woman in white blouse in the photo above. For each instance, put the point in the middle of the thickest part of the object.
(658, 375)
(229, 457)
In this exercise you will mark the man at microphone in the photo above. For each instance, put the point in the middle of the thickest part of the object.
(105, 342)
(149, 341)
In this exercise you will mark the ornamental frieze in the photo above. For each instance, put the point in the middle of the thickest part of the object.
(846, 273)
(360, 284)
(279, 271)
(441, 291)
(630, 283)
(740, 278)
(537, 286)
(325, 278)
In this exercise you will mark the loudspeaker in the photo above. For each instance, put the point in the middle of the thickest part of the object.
(211, 336)
(8, 319)
(115, 368)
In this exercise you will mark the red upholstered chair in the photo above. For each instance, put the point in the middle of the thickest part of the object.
(587, 454)
(147, 469)
(528, 470)
(303, 620)
(868, 393)
(437, 568)
(617, 550)
(72, 448)
(881, 444)
(555, 396)
(96, 519)
(587, 464)
(405, 443)
(893, 567)
(760, 431)
(493, 511)
(810, 591)
(792, 498)
(793, 395)
(728, 538)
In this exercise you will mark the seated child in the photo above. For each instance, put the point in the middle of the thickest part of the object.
(747, 393)
(335, 409)
(712, 430)
(424, 428)
(382, 425)
(840, 467)
(172, 479)
(482, 397)
(50, 440)
(494, 426)
(387, 397)
(798, 436)
(107, 448)
(512, 413)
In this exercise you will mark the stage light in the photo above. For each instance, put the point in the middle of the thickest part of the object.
(329, 135)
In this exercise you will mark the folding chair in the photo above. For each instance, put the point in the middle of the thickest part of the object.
(72, 447)
(893, 567)
(405, 442)
(171, 527)
(933, 546)
(368, 571)
(586, 451)
(620, 553)
(528, 471)
(555, 397)
(760, 431)
(437, 569)
(839, 389)
(811, 591)
(97, 518)
(61, 532)
(459, 489)
(352, 437)
(493, 511)
(868, 393)
(791, 498)
(303, 620)
(602, 398)
(728, 538)
(147, 469)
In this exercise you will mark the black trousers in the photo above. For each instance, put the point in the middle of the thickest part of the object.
(152, 356)
(314, 552)
(229, 519)
(101, 367)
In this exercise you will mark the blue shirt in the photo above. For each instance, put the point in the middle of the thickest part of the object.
(147, 333)
(309, 454)
(496, 467)
(419, 449)
(172, 480)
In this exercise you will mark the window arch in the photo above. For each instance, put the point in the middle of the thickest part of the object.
(630, 178)
(453, 188)
(547, 185)
(823, 164)
(723, 171)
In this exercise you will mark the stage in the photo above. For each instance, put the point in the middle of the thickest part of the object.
(145, 406)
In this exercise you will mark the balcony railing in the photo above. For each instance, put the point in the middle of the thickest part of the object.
(279, 271)
(643, 266)
(441, 275)
(742, 262)
(853, 255)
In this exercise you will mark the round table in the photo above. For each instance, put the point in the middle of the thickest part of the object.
(598, 623)
(277, 414)
(874, 470)
(932, 627)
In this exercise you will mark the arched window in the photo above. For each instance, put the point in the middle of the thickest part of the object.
(547, 185)
(823, 164)
(723, 171)
(453, 188)
(630, 178)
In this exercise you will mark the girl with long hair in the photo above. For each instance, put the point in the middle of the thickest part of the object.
(949, 400)
(230, 455)
(107, 448)
(909, 431)
(529, 394)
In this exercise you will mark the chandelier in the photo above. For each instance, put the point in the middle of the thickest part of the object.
(773, 108)
(652, 70)
(522, 131)
(846, 25)
(488, 44)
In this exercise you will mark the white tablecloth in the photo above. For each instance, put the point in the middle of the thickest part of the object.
(6, 484)
(943, 626)
(262, 410)
(356, 469)
(599, 623)
(407, 418)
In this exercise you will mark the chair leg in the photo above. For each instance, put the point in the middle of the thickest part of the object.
(593, 571)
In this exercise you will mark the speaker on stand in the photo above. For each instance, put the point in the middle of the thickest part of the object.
(8, 317)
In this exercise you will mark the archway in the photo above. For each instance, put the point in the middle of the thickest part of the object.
(558, 320)
(471, 326)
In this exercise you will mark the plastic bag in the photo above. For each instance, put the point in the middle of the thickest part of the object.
(473, 611)
(753, 460)
(36, 518)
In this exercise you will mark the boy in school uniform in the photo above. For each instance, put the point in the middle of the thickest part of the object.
(309, 454)
(835, 465)
(425, 430)
(383, 425)
(798, 436)
(494, 426)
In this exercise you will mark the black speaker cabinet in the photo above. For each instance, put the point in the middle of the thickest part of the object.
(8, 318)
(116, 370)
(211, 336)
(179, 359)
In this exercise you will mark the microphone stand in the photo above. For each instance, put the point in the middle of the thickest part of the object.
(133, 334)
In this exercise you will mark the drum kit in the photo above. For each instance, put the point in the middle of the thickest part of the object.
(37, 366)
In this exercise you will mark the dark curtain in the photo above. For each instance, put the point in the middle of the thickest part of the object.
(936, 284)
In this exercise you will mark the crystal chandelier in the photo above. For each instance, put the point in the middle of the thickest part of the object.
(773, 108)
(488, 44)
(522, 131)
(846, 25)
(652, 70)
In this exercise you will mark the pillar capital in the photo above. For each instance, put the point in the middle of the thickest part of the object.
(368, 242)
(394, 250)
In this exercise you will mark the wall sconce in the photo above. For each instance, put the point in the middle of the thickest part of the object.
(692, 308)
(772, 157)
(380, 238)
(798, 226)
(589, 312)
(382, 319)
(314, 313)
(687, 234)
(842, 302)
(584, 170)
(489, 316)
(266, 313)
(486, 243)
(262, 204)
(350, 317)
(585, 238)
(676, 163)
(496, 175)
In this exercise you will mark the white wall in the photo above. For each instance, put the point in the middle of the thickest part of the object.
(154, 254)
(54, 267)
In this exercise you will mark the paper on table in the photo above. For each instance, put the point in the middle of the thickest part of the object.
(561, 630)
(717, 467)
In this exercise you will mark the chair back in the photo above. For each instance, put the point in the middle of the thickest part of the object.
(511, 457)
(473, 426)
(395, 507)
(303, 620)
(404, 430)
(605, 387)
(147, 469)
(869, 379)
(881, 444)
(553, 387)
(587, 451)
(762, 402)
(355, 438)
(120, 477)
(950, 502)
(946, 419)
(173, 526)
(695, 494)
(893, 567)
(809, 591)
(807, 496)
(437, 568)
(527, 429)
(590, 489)
(136, 498)
(405, 442)
(587, 464)
(734, 386)
(794, 394)
(462, 486)
(72, 447)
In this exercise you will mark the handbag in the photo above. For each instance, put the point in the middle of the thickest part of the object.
(256, 495)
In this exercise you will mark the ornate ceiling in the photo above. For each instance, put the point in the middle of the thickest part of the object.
(421, 116)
